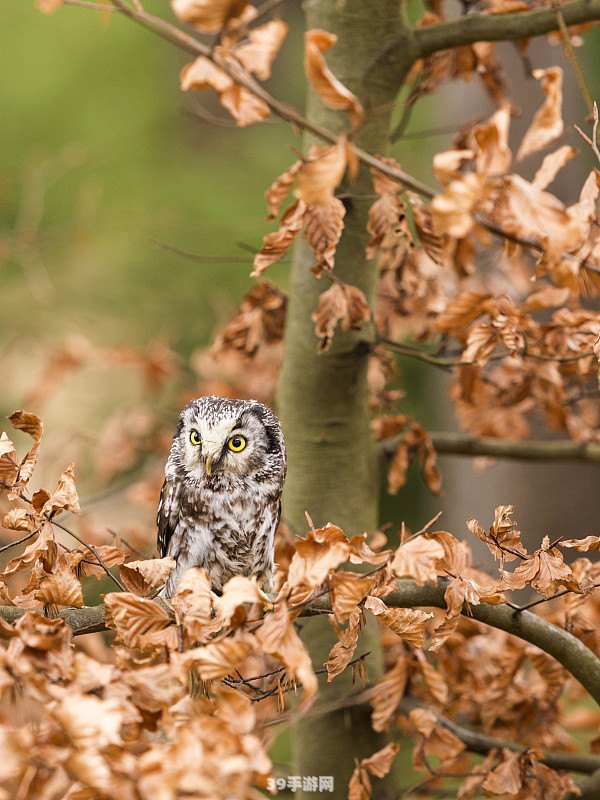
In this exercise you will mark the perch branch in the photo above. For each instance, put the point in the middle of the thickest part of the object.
(574, 656)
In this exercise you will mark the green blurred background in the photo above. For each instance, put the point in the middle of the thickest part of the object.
(99, 154)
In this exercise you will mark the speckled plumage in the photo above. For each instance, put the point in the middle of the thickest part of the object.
(223, 520)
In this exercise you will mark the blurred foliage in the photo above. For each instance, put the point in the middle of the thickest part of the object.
(99, 154)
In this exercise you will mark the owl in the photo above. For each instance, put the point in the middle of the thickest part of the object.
(220, 502)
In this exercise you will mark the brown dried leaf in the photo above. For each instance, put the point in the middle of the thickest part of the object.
(379, 764)
(109, 554)
(545, 570)
(433, 679)
(547, 123)
(347, 590)
(209, 16)
(507, 777)
(90, 722)
(582, 545)
(323, 549)
(534, 212)
(280, 188)
(20, 519)
(341, 653)
(9, 465)
(408, 623)
(491, 142)
(462, 310)
(331, 91)
(278, 637)
(257, 54)
(60, 588)
(43, 548)
(434, 740)
(417, 559)
(237, 591)
(259, 320)
(551, 166)
(48, 6)
(192, 604)
(547, 297)
(143, 577)
(217, 659)
(340, 302)
(387, 693)
(447, 164)
(242, 104)
(453, 210)
(322, 172)
(503, 539)
(323, 226)
(65, 497)
(28, 423)
(134, 616)
(275, 245)
(41, 633)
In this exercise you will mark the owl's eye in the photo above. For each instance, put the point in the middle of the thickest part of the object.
(236, 444)
(195, 437)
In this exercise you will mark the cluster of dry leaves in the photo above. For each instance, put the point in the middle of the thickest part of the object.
(518, 350)
(128, 723)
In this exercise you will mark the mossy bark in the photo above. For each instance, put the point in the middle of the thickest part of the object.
(333, 472)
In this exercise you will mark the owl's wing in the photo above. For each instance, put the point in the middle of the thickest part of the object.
(166, 516)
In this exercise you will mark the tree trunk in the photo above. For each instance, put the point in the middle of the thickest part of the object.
(333, 472)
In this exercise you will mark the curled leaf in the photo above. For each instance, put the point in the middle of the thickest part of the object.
(341, 302)
(331, 91)
(209, 16)
(547, 123)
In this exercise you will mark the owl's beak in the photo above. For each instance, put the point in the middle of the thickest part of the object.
(208, 463)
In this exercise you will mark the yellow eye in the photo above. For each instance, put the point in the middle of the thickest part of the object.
(195, 437)
(236, 444)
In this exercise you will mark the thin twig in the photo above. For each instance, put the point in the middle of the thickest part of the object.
(92, 549)
(18, 541)
(564, 32)
(454, 361)
(539, 601)
(593, 142)
(91, 5)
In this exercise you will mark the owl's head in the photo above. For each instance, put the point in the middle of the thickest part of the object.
(216, 435)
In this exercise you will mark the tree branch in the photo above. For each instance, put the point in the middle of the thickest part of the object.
(589, 789)
(574, 656)
(502, 27)
(482, 743)
(463, 444)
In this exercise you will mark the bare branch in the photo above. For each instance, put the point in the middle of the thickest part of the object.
(481, 743)
(532, 450)
(501, 27)
(464, 444)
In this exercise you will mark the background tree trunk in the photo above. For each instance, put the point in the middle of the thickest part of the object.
(333, 472)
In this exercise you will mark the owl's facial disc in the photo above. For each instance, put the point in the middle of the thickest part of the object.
(230, 444)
